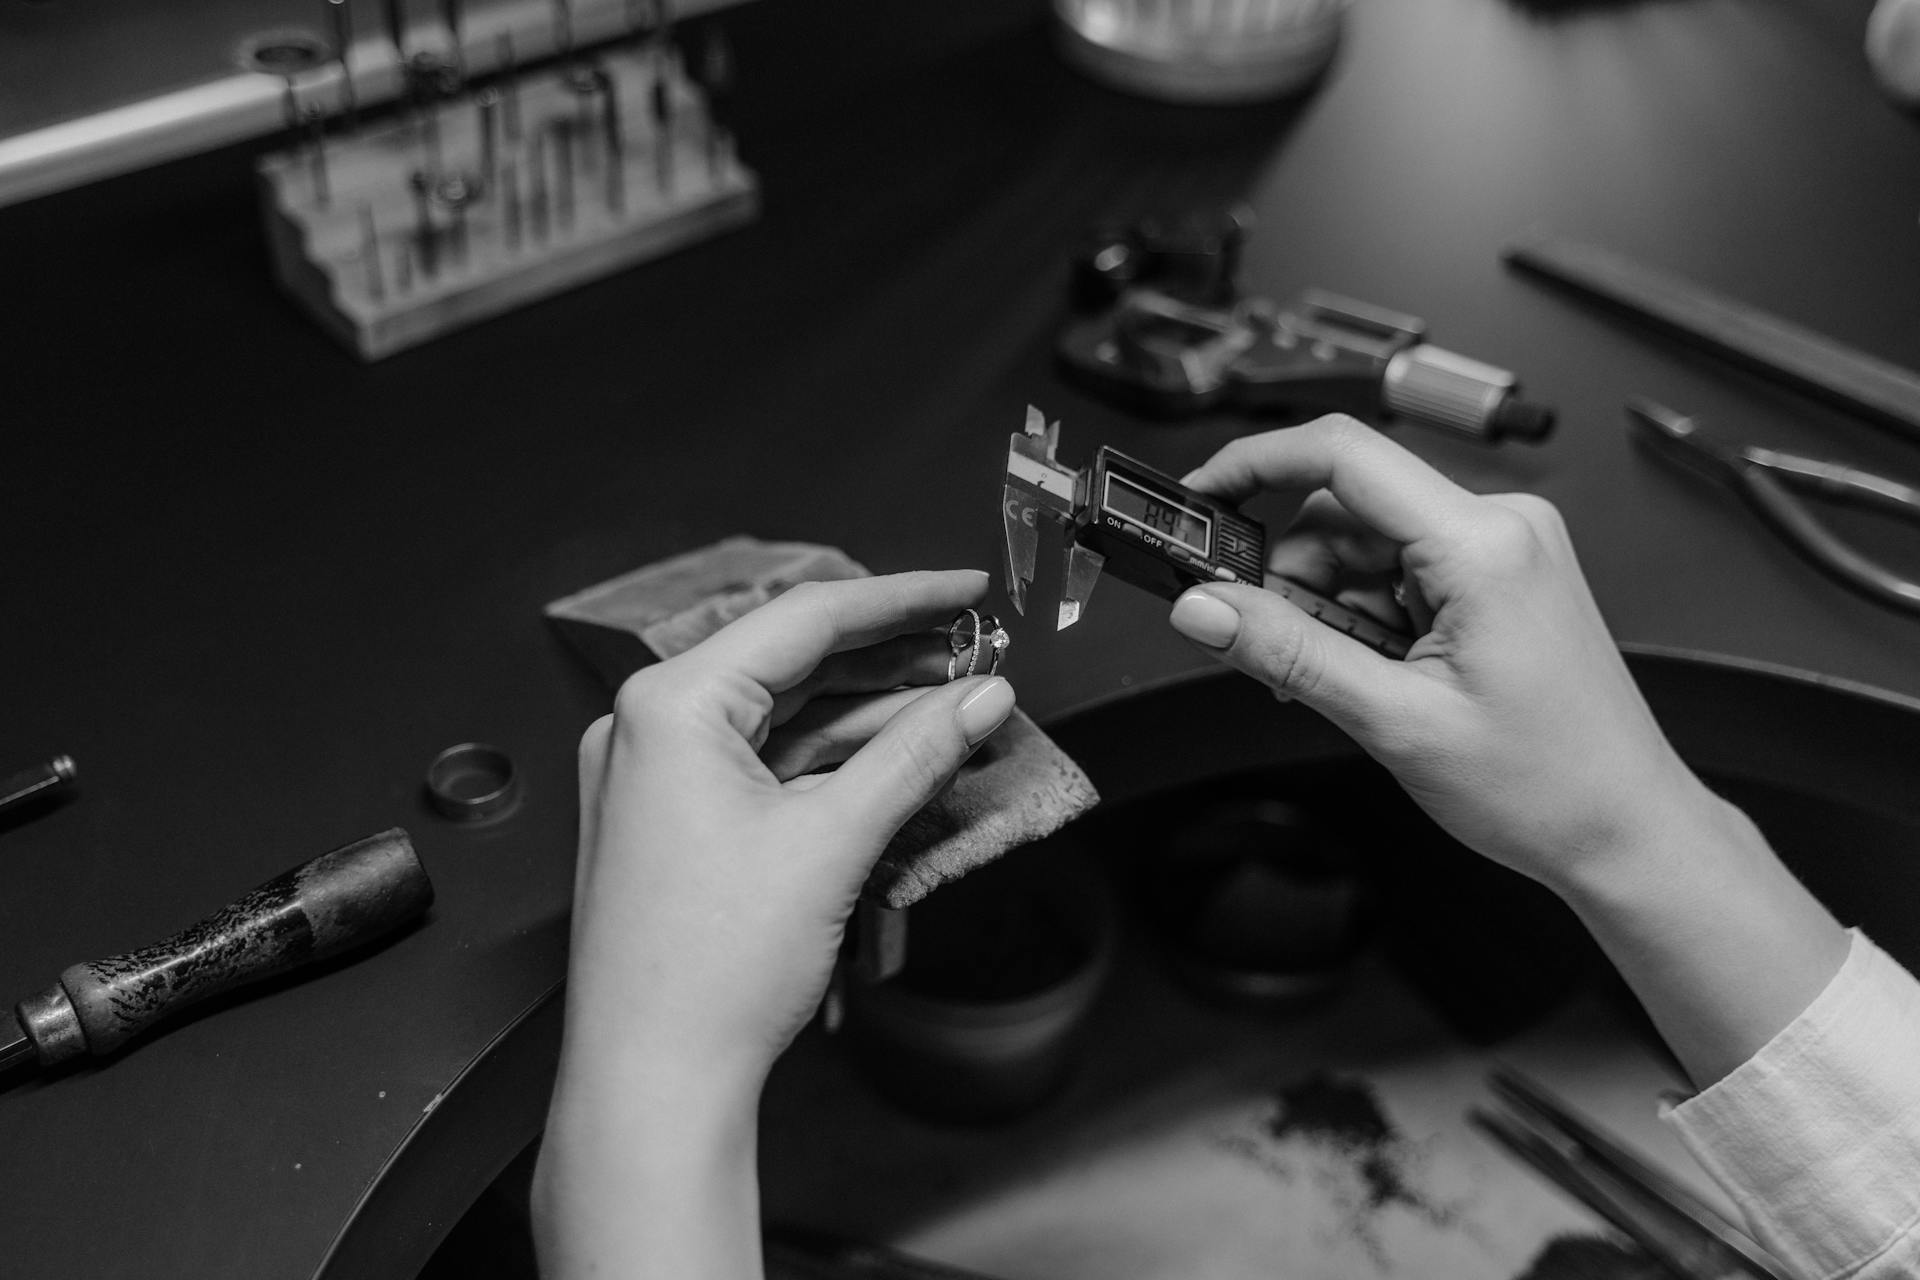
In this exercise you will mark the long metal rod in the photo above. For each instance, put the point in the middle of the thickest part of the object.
(240, 105)
(1805, 360)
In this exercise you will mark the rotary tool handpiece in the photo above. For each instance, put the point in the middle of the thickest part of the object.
(340, 900)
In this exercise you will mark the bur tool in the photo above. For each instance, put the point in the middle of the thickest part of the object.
(509, 72)
(453, 18)
(396, 15)
(539, 207)
(340, 900)
(370, 254)
(563, 175)
(456, 193)
(425, 236)
(317, 157)
(487, 104)
(613, 141)
(510, 206)
(660, 107)
(1676, 1227)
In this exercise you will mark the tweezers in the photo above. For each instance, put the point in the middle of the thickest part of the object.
(1765, 478)
(1674, 1226)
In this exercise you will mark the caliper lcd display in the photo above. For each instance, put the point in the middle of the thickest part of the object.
(1159, 514)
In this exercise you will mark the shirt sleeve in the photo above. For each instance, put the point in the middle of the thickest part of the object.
(1817, 1136)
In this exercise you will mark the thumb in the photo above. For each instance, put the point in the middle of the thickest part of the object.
(1279, 644)
(915, 755)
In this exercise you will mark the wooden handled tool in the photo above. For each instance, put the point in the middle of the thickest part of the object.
(339, 900)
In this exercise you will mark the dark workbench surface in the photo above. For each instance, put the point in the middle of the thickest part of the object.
(253, 586)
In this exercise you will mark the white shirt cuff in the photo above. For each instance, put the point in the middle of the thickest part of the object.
(1817, 1136)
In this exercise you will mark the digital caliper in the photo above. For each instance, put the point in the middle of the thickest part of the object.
(1145, 526)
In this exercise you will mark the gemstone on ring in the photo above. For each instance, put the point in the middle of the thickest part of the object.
(994, 638)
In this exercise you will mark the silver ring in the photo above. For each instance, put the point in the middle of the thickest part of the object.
(963, 642)
(977, 636)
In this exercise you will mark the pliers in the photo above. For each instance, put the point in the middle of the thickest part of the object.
(1765, 478)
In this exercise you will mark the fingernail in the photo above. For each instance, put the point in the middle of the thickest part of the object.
(985, 710)
(1209, 620)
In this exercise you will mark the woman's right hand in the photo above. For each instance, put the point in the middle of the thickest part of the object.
(1513, 721)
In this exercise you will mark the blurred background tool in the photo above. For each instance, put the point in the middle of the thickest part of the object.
(1162, 330)
(353, 895)
(1779, 349)
(1685, 1233)
(38, 783)
(1322, 353)
(1201, 51)
(1763, 477)
(399, 232)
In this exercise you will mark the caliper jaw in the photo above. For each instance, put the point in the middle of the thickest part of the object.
(1077, 578)
(1038, 487)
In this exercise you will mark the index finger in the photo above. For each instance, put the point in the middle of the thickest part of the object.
(780, 643)
(1374, 478)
